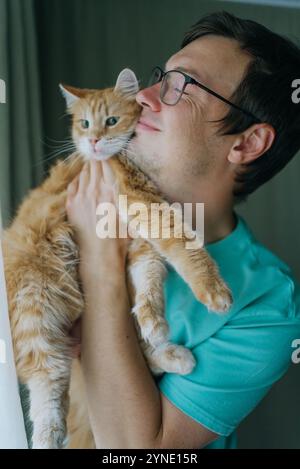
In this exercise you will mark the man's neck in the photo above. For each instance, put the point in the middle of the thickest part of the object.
(219, 216)
(217, 229)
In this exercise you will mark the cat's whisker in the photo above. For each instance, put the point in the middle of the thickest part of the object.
(50, 156)
(65, 114)
(60, 149)
(62, 144)
(57, 143)
(65, 145)
(67, 139)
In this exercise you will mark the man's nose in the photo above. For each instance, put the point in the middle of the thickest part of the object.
(149, 97)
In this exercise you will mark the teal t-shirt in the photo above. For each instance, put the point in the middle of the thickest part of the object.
(241, 354)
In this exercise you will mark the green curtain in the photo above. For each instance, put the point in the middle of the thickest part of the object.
(21, 157)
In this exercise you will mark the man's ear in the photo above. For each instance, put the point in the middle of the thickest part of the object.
(252, 143)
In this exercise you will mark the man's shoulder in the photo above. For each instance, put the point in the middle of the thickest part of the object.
(263, 287)
(261, 281)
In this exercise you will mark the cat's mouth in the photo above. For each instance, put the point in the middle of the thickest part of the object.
(106, 147)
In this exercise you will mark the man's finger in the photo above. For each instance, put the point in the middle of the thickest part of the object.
(84, 178)
(73, 186)
(108, 174)
(95, 174)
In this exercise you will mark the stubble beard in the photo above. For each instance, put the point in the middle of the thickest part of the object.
(147, 163)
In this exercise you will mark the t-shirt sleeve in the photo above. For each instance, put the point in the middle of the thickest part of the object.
(235, 369)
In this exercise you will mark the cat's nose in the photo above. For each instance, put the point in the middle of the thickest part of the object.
(94, 141)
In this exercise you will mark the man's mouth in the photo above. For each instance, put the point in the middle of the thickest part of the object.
(143, 124)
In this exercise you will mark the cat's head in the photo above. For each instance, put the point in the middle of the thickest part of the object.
(103, 120)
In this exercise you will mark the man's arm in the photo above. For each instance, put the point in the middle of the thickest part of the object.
(125, 407)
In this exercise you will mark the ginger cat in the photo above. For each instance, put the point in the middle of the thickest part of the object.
(41, 260)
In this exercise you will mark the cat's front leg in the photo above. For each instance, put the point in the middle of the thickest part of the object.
(173, 242)
(199, 271)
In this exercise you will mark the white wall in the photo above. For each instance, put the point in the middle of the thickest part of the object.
(12, 431)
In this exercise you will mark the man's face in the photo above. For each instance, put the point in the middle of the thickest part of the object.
(184, 149)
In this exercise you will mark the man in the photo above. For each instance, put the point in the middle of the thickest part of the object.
(214, 144)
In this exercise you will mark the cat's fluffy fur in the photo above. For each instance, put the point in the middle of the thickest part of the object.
(41, 267)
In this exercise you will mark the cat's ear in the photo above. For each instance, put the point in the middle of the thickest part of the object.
(70, 94)
(127, 83)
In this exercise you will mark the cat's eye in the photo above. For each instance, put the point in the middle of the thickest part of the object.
(110, 121)
(85, 123)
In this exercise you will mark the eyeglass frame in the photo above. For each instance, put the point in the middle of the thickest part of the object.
(192, 81)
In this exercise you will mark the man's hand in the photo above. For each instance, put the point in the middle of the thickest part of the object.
(94, 185)
(101, 260)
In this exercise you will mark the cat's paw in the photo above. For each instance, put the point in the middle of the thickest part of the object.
(215, 295)
(49, 434)
(174, 358)
(154, 330)
(219, 298)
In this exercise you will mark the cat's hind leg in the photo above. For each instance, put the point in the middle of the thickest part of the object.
(147, 271)
(41, 318)
(169, 357)
(49, 405)
(146, 274)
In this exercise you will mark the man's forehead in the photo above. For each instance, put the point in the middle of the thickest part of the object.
(188, 60)
(184, 65)
(217, 61)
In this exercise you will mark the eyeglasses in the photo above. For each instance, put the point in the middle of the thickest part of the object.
(173, 84)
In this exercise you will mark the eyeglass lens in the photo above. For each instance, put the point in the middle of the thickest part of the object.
(171, 87)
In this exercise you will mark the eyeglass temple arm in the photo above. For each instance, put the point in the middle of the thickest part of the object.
(225, 100)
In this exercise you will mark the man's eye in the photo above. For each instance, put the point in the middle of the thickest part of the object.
(110, 121)
(179, 91)
(84, 123)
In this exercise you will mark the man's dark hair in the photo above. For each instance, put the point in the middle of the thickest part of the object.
(265, 91)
